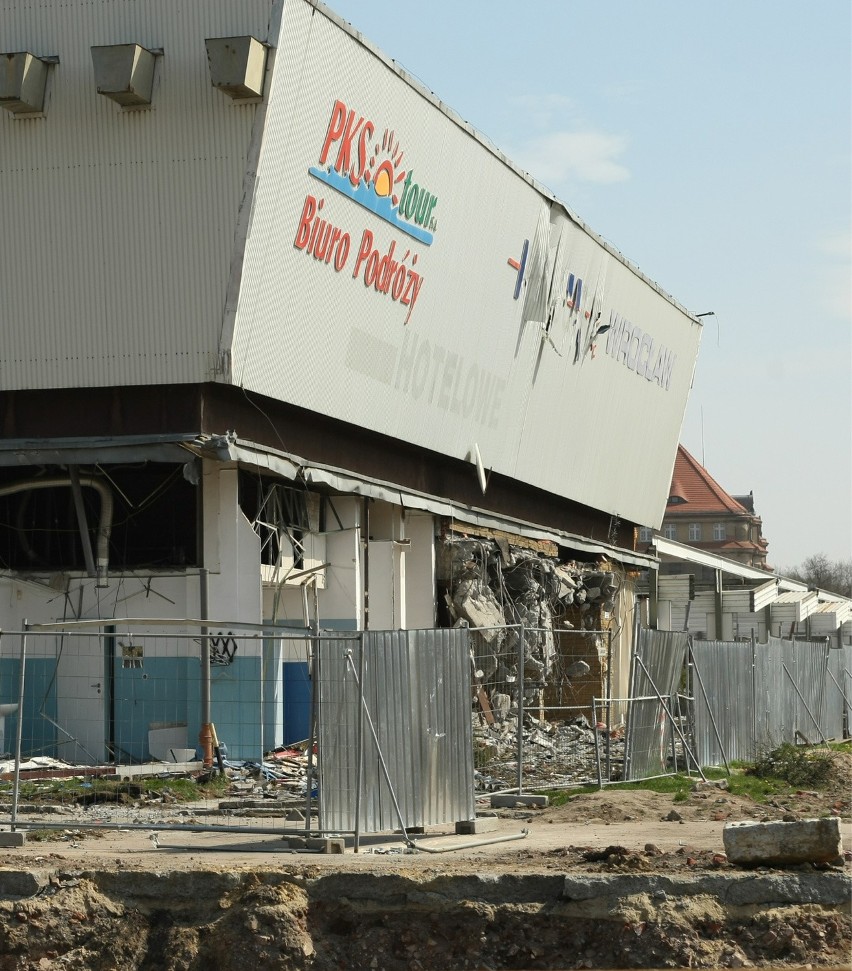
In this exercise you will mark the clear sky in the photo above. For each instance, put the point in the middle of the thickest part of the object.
(710, 144)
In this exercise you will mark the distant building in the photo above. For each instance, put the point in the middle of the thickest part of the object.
(701, 514)
(713, 580)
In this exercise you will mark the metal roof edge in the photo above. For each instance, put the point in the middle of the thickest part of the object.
(90, 449)
(680, 551)
(294, 467)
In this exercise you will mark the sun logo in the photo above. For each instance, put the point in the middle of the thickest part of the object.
(354, 162)
(386, 176)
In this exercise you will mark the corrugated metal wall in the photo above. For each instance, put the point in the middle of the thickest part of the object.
(416, 688)
(118, 226)
(723, 692)
(649, 731)
(762, 695)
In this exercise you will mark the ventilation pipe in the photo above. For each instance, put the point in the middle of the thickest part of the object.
(104, 526)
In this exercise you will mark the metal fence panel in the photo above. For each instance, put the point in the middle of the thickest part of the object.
(657, 669)
(397, 750)
(751, 698)
(808, 677)
(790, 678)
(834, 701)
(769, 681)
(723, 691)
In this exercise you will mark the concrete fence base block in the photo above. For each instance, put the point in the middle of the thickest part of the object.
(316, 844)
(517, 799)
(482, 824)
(774, 843)
(13, 839)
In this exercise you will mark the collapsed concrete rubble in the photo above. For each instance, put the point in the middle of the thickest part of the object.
(555, 755)
(564, 609)
(496, 588)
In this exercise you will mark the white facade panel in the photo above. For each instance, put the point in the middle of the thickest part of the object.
(466, 309)
(736, 601)
(675, 586)
(119, 224)
(497, 323)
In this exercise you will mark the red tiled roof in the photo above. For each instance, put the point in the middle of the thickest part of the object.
(703, 494)
(736, 544)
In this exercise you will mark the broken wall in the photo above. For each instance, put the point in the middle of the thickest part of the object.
(497, 586)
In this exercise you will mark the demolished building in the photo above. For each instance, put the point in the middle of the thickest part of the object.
(286, 342)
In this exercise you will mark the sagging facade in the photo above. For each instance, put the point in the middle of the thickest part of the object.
(267, 365)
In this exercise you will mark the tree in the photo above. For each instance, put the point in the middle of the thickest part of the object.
(819, 571)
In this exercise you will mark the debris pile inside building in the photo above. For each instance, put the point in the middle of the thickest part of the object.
(562, 609)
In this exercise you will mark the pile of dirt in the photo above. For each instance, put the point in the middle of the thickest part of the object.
(713, 801)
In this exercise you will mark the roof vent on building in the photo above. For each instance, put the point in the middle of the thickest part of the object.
(125, 73)
(23, 80)
(237, 66)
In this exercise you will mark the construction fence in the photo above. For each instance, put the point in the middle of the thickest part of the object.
(348, 731)
(545, 716)
(751, 697)
(357, 732)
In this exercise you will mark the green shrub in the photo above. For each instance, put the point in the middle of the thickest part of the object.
(795, 765)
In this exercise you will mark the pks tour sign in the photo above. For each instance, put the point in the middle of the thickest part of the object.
(369, 171)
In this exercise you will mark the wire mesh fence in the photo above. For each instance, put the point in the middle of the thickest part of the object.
(102, 724)
(534, 694)
(329, 731)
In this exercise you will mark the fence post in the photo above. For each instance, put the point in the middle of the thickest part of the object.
(205, 736)
(631, 694)
(608, 706)
(753, 695)
(598, 744)
(359, 745)
(521, 662)
(16, 788)
(316, 673)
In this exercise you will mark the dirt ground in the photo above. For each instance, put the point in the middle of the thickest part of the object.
(114, 900)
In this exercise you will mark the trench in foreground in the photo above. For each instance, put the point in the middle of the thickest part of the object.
(302, 918)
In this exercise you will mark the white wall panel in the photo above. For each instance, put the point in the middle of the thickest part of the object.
(468, 365)
(119, 225)
(125, 241)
